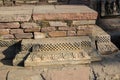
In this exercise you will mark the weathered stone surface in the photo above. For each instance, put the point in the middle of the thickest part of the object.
(29, 25)
(67, 28)
(57, 33)
(16, 31)
(10, 15)
(32, 1)
(48, 29)
(39, 35)
(79, 13)
(20, 58)
(52, 44)
(100, 35)
(3, 74)
(32, 30)
(24, 36)
(57, 23)
(81, 73)
(85, 27)
(71, 33)
(83, 33)
(7, 43)
(57, 58)
(107, 48)
(1, 2)
(12, 25)
(52, 1)
(1, 64)
(24, 74)
(4, 31)
(83, 22)
(2, 56)
(7, 36)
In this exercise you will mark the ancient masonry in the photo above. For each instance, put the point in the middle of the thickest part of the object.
(37, 2)
(50, 35)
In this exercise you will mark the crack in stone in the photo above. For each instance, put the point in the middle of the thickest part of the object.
(7, 75)
(42, 77)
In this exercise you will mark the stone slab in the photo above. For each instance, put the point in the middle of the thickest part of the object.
(20, 58)
(8, 36)
(52, 1)
(77, 13)
(83, 22)
(12, 25)
(57, 23)
(13, 14)
(27, 25)
(39, 35)
(59, 43)
(57, 33)
(70, 57)
(24, 36)
(24, 74)
(81, 73)
(107, 48)
(3, 74)
(100, 35)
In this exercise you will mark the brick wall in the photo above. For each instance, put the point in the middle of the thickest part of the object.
(25, 24)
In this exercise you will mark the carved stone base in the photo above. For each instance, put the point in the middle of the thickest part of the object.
(57, 58)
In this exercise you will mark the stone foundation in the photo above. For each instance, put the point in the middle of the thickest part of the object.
(24, 28)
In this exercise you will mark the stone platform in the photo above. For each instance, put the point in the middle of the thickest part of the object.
(64, 28)
(52, 40)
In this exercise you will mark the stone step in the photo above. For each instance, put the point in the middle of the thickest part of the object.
(108, 48)
(100, 35)
(66, 13)
(57, 58)
(56, 44)
(46, 12)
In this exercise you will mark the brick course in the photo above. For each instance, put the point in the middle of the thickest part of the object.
(12, 25)
(57, 34)
(16, 31)
(55, 21)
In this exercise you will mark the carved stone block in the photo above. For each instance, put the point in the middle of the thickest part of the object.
(57, 58)
(107, 48)
(56, 44)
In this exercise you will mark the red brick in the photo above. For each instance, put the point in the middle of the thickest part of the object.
(29, 25)
(67, 28)
(32, 30)
(71, 33)
(8, 36)
(48, 29)
(83, 33)
(16, 31)
(9, 25)
(24, 36)
(57, 33)
(4, 31)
